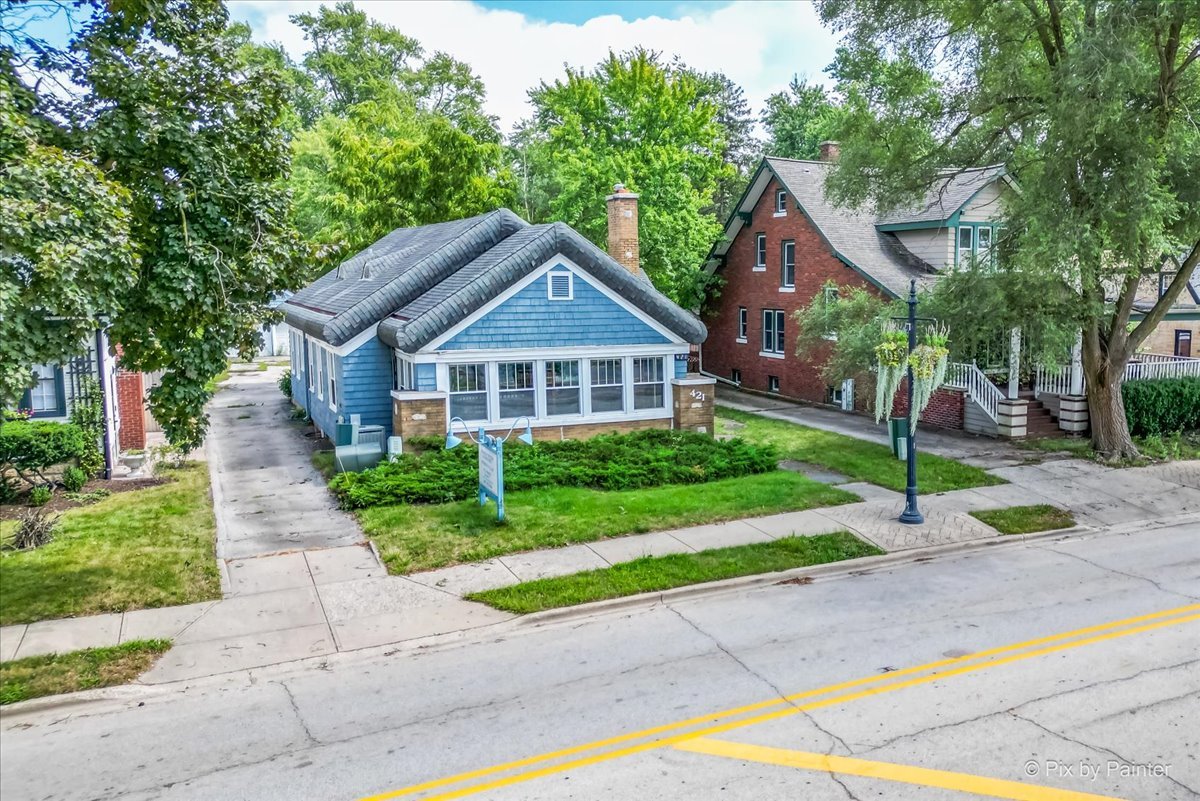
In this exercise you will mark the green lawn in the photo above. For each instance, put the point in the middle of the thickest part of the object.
(1026, 519)
(858, 459)
(142, 548)
(55, 674)
(413, 537)
(655, 573)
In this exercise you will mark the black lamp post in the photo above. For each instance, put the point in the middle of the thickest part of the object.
(911, 514)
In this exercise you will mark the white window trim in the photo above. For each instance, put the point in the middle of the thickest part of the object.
(760, 266)
(775, 313)
(787, 289)
(587, 399)
(780, 212)
(770, 354)
(783, 285)
(743, 324)
(320, 373)
(550, 276)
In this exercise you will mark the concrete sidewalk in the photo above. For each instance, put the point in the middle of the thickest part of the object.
(985, 452)
(321, 601)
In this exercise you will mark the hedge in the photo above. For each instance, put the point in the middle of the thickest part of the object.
(611, 462)
(1162, 405)
(31, 446)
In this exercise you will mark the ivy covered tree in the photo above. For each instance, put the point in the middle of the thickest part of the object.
(1090, 105)
(651, 125)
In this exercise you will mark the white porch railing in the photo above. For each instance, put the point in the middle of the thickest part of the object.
(978, 386)
(1052, 382)
(1155, 365)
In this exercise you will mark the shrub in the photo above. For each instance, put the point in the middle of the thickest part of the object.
(36, 528)
(73, 479)
(611, 462)
(285, 383)
(1162, 405)
(40, 495)
(31, 446)
(87, 412)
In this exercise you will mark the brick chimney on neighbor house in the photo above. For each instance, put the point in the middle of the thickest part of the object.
(829, 150)
(623, 228)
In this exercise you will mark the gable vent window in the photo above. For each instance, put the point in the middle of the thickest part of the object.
(561, 286)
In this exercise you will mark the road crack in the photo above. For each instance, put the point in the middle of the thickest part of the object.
(1114, 571)
(299, 717)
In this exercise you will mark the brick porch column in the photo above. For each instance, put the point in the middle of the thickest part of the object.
(692, 402)
(1012, 418)
(419, 414)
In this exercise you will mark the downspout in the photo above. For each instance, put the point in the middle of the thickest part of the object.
(104, 403)
(700, 351)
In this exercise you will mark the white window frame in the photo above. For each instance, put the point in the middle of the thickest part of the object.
(774, 321)
(760, 252)
(577, 386)
(320, 374)
(46, 373)
(310, 371)
(784, 283)
(743, 324)
(780, 202)
(773, 379)
(406, 374)
(620, 362)
(494, 412)
(485, 372)
(735, 375)
(551, 275)
(634, 383)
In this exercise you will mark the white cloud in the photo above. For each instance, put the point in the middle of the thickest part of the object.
(759, 45)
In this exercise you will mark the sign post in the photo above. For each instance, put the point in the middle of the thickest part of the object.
(491, 459)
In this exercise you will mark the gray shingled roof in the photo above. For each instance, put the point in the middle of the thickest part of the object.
(850, 232)
(423, 319)
(946, 197)
(372, 284)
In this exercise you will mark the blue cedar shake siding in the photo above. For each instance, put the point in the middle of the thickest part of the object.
(530, 320)
(365, 384)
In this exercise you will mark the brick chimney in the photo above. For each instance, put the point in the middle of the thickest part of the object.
(829, 150)
(623, 228)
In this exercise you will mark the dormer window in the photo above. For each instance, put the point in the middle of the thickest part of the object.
(560, 286)
(780, 201)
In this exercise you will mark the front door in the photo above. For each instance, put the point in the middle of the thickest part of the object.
(1183, 343)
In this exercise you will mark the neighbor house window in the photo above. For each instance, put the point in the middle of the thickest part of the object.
(560, 286)
(608, 387)
(966, 239)
(562, 388)
(405, 375)
(983, 243)
(45, 396)
(1183, 342)
(760, 251)
(789, 264)
(332, 387)
(516, 390)
(773, 338)
(321, 374)
(649, 383)
(468, 391)
(742, 323)
(780, 202)
(772, 383)
(831, 295)
(311, 373)
(735, 375)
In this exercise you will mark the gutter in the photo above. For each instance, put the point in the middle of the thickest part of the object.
(703, 372)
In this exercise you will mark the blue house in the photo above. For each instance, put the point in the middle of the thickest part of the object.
(489, 320)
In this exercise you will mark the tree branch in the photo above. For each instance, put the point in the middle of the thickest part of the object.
(1155, 316)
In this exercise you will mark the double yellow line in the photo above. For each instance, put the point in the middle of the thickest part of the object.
(739, 717)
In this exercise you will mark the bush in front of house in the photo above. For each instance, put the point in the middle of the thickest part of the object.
(40, 495)
(611, 462)
(73, 479)
(285, 383)
(27, 447)
(1162, 405)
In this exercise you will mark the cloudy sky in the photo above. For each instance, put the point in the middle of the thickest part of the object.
(515, 44)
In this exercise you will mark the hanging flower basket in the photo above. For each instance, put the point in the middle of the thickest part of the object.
(928, 361)
(892, 354)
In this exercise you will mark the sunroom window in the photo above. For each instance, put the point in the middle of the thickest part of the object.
(649, 383)
(562, 388)
(468, 391)
(516, 390)
(608, 388)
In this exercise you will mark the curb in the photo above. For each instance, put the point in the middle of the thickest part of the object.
(832, 570)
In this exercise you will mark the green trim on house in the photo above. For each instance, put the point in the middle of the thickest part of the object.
(60, 390)
(1170, 315)
(949, 222)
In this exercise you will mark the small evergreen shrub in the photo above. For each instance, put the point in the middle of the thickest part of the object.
(1162, 405)
(73, 479)
(40, 495)
(610, 462)
(285, 383)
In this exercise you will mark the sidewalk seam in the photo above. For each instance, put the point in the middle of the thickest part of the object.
(321, 603)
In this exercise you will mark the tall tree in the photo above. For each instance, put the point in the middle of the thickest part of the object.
(742, 147)
(651, 125)
(171, 113)
(1091, 107)
(799, 119)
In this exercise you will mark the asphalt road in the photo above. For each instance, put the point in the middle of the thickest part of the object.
(1055, 670)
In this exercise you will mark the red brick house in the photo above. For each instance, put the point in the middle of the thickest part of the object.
(785, 242)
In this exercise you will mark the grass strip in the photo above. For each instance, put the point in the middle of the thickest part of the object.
(414, 537)
(656, 573)
(132, 550)
(858, 459)
(55, 674)
(1026, 519)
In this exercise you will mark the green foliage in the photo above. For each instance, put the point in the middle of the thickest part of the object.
(657, 573)
(87, 412)
(387, 164)
(73, 479)
(40, 495)
(652, 125)
(1088, 105)
(1162, 406)
(285, 384)
(34, 445)
(1026, 519)
(798, 120)
(613, 462)
(67, 257)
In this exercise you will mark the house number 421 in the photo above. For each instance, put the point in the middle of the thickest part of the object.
(697, 394)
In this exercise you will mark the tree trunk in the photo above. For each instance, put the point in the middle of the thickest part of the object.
(1106, 407)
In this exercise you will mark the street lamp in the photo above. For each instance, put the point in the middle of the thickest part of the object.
(491, 458)
(911, 515)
